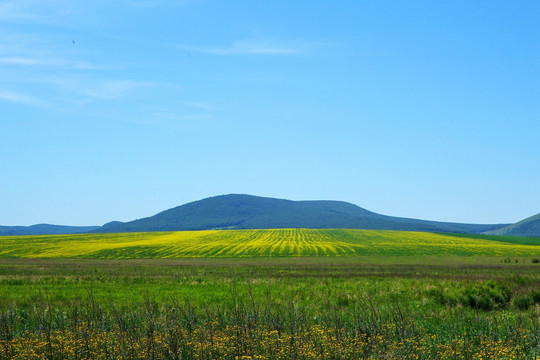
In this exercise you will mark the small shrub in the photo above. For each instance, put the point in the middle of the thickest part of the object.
(445, 296)
(523, 301)
(522, 280)
(536, 296)
(343, 300)
(487, 296)
(480, 301)
(535, 261)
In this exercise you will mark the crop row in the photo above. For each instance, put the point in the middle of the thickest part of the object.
(257, 243)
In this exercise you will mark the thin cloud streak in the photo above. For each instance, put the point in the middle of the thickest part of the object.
(20, 61)
(245, 48)
(114, 89)
(65, 64)
(157, 3)
(204, 105)
(33, 10)
(18, 98)
(15, 10)
(182, 117)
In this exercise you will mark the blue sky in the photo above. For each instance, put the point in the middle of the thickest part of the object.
(116, 110)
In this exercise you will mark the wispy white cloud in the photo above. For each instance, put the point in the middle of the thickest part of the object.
(185, 112)
(50, 62)
(204, 105)
(114, 89)
(24, 10)
(87, 11)
(169, 115)
(248, 48)
(11, 10)
(61, 93)
(75, 87)
(19, 61)
(23, 99)
(156, 3)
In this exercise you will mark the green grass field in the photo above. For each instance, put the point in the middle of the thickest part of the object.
(348, 307)
(269, 294)
(263, 243)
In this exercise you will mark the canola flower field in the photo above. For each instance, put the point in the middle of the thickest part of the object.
(263, 243)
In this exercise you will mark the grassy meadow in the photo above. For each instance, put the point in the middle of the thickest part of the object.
(262, 294)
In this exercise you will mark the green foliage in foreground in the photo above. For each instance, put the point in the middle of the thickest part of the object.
(284, 308)
(262, 243)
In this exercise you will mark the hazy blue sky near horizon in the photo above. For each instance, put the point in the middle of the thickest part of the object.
(116, 110)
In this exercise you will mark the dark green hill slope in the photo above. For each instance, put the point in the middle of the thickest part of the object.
(527, 227)
(251, 212)
(45, 229)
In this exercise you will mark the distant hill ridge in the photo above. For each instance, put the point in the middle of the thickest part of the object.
(527, 227)
(45, 229)
(236, 211)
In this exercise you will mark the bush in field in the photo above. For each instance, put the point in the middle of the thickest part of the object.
(535, 261)
(523, 301)
(485, 296)
(536, 296)
(489, 295)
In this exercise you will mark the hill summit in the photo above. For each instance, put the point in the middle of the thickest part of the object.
(238, 211)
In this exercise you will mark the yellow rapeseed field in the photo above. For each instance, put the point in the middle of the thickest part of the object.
(257, 243)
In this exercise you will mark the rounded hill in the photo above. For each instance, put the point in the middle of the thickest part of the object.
(236, 211)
